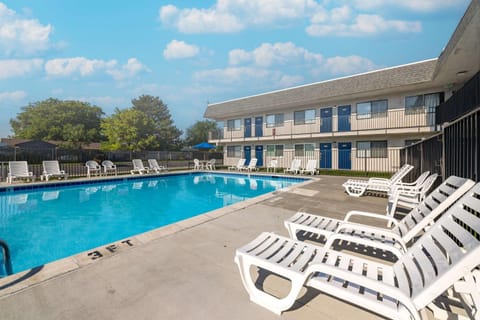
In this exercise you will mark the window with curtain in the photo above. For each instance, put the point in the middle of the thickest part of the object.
(306, 149)
(233, 125)
(274, 120)
(275, 150)
(423, 102)
(372, 149)
(371, 109)
(234, 151)
(304, 116)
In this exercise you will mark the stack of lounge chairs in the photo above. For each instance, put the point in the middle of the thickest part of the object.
(436, 247)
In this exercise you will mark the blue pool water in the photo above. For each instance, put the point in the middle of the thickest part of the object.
(45, 224)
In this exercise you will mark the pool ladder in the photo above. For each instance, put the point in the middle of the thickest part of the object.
(6, 257)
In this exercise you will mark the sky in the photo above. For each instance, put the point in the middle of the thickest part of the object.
(191, 53)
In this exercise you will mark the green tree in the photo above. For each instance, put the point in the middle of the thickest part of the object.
(129, 129)
(198, 132)
(168, 135)
(73, 122)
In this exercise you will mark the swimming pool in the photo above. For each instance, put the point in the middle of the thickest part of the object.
(47, 223)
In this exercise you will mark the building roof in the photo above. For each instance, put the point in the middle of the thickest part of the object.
(360, 84)
(460, 57)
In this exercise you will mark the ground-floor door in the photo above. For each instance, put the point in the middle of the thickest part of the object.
(259, 155)
(325, 155)
(247, 154)
(344, 155)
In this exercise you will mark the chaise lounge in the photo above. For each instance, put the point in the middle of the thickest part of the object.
(51, 168)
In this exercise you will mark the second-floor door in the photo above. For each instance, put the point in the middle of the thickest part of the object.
(247, 123)
(344, 113)
(326, 120)
(258, 126)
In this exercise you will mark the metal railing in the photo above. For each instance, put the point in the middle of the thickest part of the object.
(415, 119)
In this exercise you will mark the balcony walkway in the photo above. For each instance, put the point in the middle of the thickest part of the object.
(188, 272)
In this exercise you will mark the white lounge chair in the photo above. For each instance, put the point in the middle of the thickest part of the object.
(444, 257)
(409, 197)
(252, 165)
(210, 165)
(93, 168)
(51, 168)
(294, 167)
(138, 167)
(19, 170)
(273, 165)
(154, 166)
(240, 165)
(392, 240)
(109, 166)
(310, 168)
(197, 165)
(357, 188)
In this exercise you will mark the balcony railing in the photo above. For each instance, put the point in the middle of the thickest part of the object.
(392, 121)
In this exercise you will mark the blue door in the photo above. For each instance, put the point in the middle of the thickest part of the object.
(259, 127)
(344, 118)
(259, 155)
(326, 120)
(344, 155)
(325, 155)
(247, 123)
(247, 150)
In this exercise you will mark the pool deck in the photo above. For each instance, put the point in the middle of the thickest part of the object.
(186, 270)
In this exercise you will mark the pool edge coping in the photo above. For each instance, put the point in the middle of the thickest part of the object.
(24, 280)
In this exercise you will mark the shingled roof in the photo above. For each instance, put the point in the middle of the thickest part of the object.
(379, 80)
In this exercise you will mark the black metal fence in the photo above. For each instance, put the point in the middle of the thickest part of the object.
(424, 156)
(73, 161)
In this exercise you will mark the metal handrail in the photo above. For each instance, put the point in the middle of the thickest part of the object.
(6, 257)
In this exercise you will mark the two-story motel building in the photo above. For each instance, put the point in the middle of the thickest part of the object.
(358, 122)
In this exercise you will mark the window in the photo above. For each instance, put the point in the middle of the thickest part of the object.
(233, 125)
(372, 149)
(274, 120)
(275, 150)
(306, 149)
(423, 102)
(371, 109)
(304, 116)
(234, 151)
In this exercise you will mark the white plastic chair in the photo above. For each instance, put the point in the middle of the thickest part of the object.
(310, 168)
(51, 168)
(294, 167)
(109, 166)
(197, 165)
(138, 167)
(210, 165)
(394, 239)
(357, 188)
(240, 165)
(93, 168)
(445, 257)
(252, 165)
(273, 165)
(19, 170)
(153, 165)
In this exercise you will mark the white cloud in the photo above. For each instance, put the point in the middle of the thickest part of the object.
(13, 96)
(81, 66)
(235, 15)
(180, 50)
(19, 36)
(348, 65)
(414, 5)
(128, 70)
(280, 53)
(76, 66)
(363, 25)
(14, 67)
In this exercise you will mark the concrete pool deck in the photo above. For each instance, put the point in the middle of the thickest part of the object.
(187, 270)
